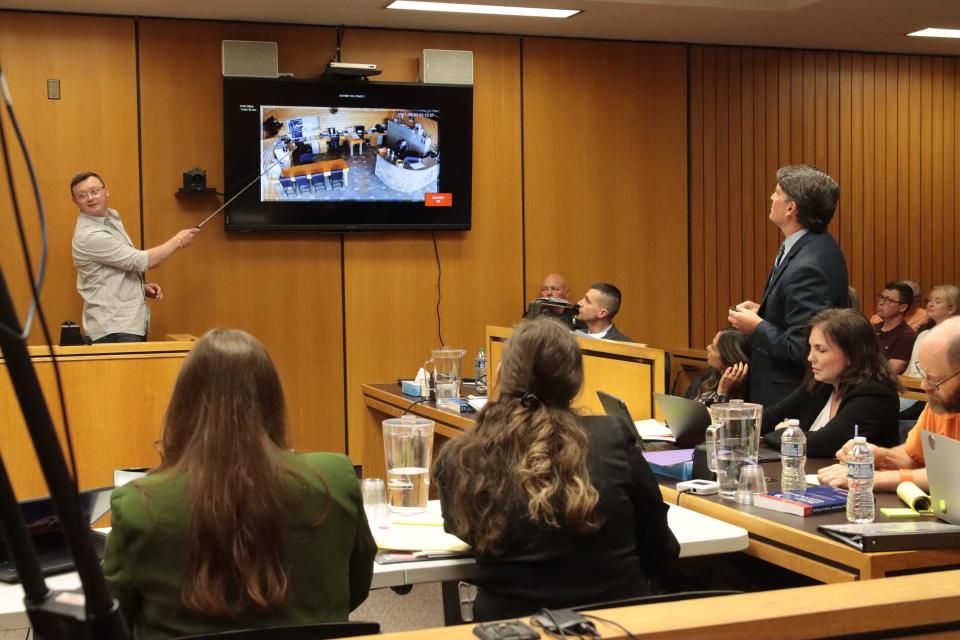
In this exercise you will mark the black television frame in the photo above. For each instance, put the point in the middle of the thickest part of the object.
(242, 126)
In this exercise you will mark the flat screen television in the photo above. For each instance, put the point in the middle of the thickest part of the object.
(346, 156)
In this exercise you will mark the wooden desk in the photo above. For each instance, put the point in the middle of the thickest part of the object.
(912, 388)
(793, 542)
(116, 396)
(630, 371)
(321, 166)
(926, 606)
(387, 401)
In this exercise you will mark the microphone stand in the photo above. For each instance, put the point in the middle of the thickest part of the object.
(54, 615)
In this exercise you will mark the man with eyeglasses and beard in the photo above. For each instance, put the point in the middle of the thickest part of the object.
(110, 268)
(939, 367)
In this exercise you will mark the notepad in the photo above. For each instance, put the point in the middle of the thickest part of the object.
(651, 429)
(417, 537)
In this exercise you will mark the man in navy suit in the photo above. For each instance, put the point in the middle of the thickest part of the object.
(809, 275)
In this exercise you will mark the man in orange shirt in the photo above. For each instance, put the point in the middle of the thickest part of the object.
(939, 364)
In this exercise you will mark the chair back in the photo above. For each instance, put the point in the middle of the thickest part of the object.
(318, 631)
(336, 177)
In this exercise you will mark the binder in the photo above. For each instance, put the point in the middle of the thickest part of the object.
(894, 536)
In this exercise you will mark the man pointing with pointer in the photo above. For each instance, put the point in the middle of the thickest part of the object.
(110, 268)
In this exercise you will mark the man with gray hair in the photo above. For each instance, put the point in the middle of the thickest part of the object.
(808, 276)
(939, 366)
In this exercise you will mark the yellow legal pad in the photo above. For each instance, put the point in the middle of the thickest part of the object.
(417, 535)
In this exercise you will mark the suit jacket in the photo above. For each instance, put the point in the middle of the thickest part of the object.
(873, 406)
(556, 568)
(614, 334)
(811, 277)
(330, 565)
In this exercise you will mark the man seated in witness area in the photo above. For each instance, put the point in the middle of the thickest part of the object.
(895, 335)
(598, 307)
(555, 286)
(939, 365)
(916, 316)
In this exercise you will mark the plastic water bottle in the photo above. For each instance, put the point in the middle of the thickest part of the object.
(793, 458)
(860, 506)
(481, 372)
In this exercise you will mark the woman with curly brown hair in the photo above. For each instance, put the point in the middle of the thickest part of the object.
(561, 509)
(233, 530)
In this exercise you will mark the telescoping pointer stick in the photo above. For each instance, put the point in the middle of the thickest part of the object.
(250, 184)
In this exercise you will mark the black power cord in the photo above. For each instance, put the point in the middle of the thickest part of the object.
(35, 283)
(436, 254)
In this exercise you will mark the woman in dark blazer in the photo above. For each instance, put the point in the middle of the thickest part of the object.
(560, 509)
(849, 384)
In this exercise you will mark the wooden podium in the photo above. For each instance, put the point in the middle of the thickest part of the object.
(633, 372)
(116, 396)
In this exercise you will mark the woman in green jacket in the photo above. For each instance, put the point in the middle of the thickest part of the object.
(233, 530)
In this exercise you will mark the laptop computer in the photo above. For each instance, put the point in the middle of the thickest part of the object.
(687, 419)
(45, 530)
(941, 455)
(646, 429)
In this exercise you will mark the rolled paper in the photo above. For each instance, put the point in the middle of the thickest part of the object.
(913, 496)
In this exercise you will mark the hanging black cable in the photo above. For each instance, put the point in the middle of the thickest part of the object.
(436, 253)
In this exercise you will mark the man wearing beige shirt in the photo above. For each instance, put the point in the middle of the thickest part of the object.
(110, 268)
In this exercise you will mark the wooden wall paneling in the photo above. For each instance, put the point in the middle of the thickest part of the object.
(391, 279)
(935, 248)
(93, 126)
(949, 167)
(891, 161)
(884, 125)
(882, 259)
(710, 208)
(697, 236)
(821, 110)
(283, 288)
(872, 264)
(725, 110)
(609, 157)
(916, 174)
(767, 233)
(743, 207)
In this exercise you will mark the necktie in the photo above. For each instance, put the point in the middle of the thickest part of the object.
(776, 265)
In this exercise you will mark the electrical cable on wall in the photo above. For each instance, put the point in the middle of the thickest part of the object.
(36, 283)
(436, 253)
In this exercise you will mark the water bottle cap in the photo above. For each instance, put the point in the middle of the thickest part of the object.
(860, 440)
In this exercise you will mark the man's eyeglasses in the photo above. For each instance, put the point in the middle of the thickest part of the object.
(886, 300)
(936, 385)
(93, 193)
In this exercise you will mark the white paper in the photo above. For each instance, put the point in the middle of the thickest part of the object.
(651, 429)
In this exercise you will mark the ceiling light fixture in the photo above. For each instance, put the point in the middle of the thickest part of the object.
(489, 9)
(931, 32)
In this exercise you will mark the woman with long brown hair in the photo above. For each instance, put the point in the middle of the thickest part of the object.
(849, 384)
(560, 509)
(234, 530)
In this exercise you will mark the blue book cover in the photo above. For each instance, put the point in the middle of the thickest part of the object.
(812, 501)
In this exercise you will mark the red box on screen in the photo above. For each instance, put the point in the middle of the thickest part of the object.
(438, 200)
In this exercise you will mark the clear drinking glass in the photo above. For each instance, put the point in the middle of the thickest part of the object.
(374, 493)
(751, 483)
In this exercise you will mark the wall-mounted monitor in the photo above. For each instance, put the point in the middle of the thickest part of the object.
(346, 156)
